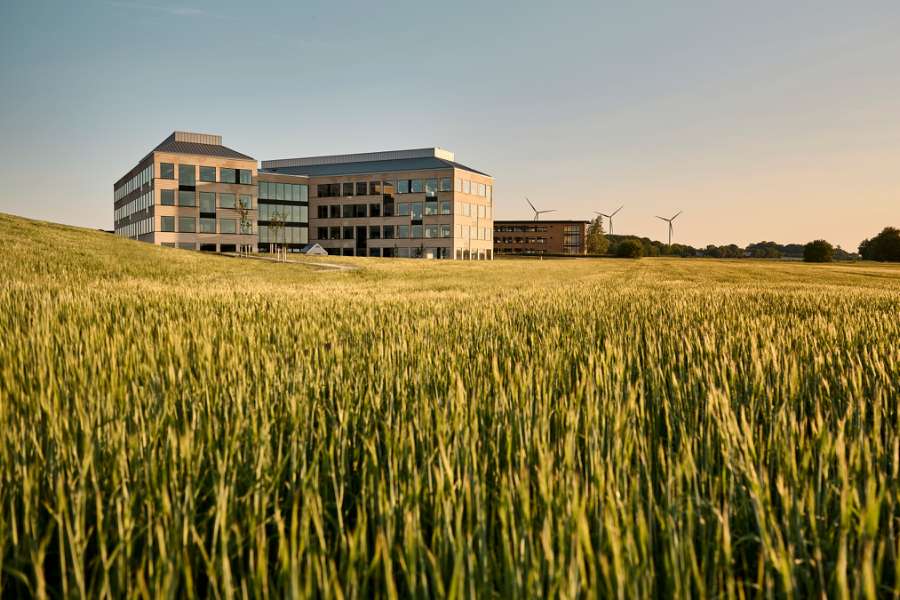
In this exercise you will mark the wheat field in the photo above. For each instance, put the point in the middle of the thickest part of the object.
(182, 425)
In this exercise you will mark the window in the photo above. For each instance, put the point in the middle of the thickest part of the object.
(347, 211)
(335, 233)
(167, 197)
(227, 226)
(374, 188)
(417, 186)
(167, 223)
(246, 201)
(246, 176)
(263, 191)
(166, 171)
(187, 224)
(335, 211)
(431, 208)
(186, 198)
(388, 188)
(328, 190)
(445, 231)
(207, 202)
(446, 207)
(446, 185)
(226, 200)
(481, 190)
(346, 189)
(388, 232)
(362, 188)
(374, 210)
(415, 211)
(322, 212)
(359, 211)
(467, 186)
(187, 175)
(403, 231)
(207, 225)
(432, 231)
(416, 231)
(374, 251)
(374, 232)
(348, 233)
(431, 187)
(402, 209)
(403, 186)
(208, 174)
(228, 175)
(487, 192)
(388, 207)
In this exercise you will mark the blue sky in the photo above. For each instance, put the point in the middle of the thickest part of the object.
(764, 120)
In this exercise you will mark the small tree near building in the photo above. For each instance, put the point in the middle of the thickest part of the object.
(596, 238)
(818, 251)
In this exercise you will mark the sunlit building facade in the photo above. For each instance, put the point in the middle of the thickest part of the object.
(540, 237)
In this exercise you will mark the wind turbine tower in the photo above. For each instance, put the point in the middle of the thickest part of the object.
(669, 221)
(610, 217)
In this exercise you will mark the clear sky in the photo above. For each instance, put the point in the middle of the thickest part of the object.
(760, 120)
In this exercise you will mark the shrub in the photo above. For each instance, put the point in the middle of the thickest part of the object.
(818, 251)
(630, 249)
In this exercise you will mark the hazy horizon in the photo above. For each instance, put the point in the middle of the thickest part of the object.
(762, 122)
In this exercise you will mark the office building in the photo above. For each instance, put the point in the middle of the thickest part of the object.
(405, 203)
(540, 237)
(192, 192)
(189, 192)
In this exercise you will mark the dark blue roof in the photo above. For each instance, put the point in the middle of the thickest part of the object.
(373, 166)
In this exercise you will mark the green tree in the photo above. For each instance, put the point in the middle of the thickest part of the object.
(630, 249)
(883, 247)
(596, 238)
(818, 251)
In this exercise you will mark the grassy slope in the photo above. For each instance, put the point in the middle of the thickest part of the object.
(688, 427)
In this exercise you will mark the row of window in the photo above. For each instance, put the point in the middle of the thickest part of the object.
(386, 232)
(295, 192)
(412, 252)
(289, 213)
(207, 199)
(518, 240)
(429, 187)
(135, 229)
(283, 235)
(414, 210)
(520, 229)
(138, 180)
(402, 232)
(207, 225)
(143, 201)
(187, 174)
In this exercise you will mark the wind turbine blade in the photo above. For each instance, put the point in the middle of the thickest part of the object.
(662, 218)
(607, 216)
(617, 210)
(529, 203)
(676, 215)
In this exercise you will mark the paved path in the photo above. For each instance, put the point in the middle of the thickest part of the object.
(324, 266)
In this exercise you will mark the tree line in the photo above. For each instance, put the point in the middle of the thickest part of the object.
(883, 247)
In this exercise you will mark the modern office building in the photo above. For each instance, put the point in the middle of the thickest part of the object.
(406, 203)
(192, 192)
(540, 237)
(189, 192)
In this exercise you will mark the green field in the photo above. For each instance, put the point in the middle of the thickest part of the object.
(178, 424)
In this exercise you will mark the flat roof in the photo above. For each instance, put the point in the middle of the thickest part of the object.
(533, 222)
(369, 166)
